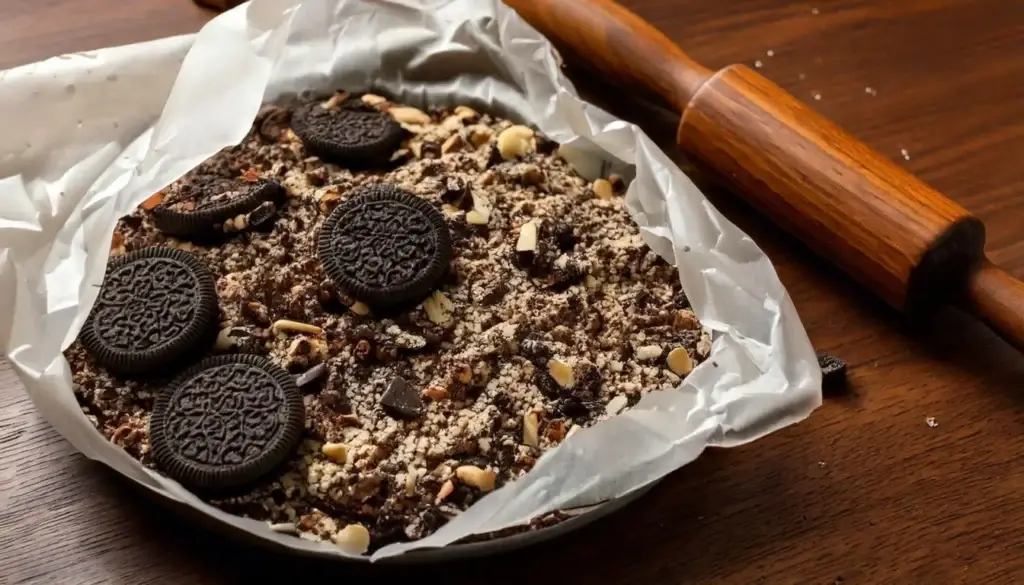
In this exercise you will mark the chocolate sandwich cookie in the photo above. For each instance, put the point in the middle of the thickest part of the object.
(212, 206)
(348, 135)
(156, 308)
(385, 246)
(226, 422)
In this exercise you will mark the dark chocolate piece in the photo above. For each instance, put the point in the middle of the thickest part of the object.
(157, 308)
(401, 400)
(226, 422)
(833, 370)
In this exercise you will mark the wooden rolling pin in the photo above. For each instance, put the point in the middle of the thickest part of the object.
(909, 244)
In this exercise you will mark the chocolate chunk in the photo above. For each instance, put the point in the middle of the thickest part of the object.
(400, 400)
(350, 135)
(226, 422)
(201, 208)
(311, 375)
(156, 309)
(457, 192)
(263, 215)
(385, 246)
(833, 371)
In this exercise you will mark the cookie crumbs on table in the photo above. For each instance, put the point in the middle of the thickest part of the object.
(548, 315)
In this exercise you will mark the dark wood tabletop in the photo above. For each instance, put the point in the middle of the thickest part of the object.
(912, 475)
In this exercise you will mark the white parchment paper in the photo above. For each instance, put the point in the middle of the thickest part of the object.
(89, 136)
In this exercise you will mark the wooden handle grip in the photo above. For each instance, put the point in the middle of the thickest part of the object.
(997, 298)
(618, 44)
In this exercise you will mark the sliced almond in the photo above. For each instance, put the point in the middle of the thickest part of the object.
(409, 115)
(446, 490)
(679, 361)
(647, 353)
(515, 141)
(603, 189)
(335, 100)
(561, 373)
(328, 201)
(410, 481)
(474, 217)
(336, 451)
(373, 99)
(289, 326)
(527, 241)
(531, 427)
(481, 206)
(482, 479)
(615, 405)
(354, 538)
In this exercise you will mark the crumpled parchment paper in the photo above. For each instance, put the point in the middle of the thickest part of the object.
(89, 136)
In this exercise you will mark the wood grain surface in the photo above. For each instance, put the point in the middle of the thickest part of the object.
(865, 491)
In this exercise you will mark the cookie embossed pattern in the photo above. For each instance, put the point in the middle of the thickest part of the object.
(551, 361)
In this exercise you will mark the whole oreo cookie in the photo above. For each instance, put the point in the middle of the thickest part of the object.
(347, 135)
(211, 206)
(156, 308)
(385, 246)
(226, 422)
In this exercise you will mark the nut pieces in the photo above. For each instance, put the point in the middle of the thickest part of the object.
(481, 479)
(561, 373)
(515, 142)
(679, 361)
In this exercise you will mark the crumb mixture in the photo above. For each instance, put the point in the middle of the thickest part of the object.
(554, 316)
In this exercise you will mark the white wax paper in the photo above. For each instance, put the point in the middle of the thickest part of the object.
(87, 137)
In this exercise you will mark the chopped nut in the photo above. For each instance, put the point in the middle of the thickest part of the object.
(685, 319)
(355, 538)
(117, 244)
(288, 326)
(410, 481)
(648, 352)
(335, 100)
(480, 135)
(527, 241)
(531, 424)
(446, 490)
(679, 361)
(603, 189)
(466, 113)
(615, 405)
(555, 431)
(336, 451)
(481, 212)
(284, 528)
(373, 99)
(153, 200)
(409, 115)
(482, 479)
(224, 340)
(250, 175)
(463, 373)
(328, 201)
(455, 142)
(438, 308)
(435, 393)
(532, 175)
(515, 142)
(359, 308)
(562, 373)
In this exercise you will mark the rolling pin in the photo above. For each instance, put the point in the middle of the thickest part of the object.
(909, 244)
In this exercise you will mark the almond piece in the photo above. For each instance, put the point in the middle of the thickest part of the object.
(289, 326)
(527, 241)
(354, 538)
(446, 490)
(515, 141)
(603, 189)
(335, 451)
(435, 393)
(647, 353)
(438, 308)
(562, 373)
(531, 425)
(409, 115)
(679, 361)
(455, 142)
(685, 319)
(373, 99)
(153, 200)
(615, 405)
(466, 113)
(359, 308)
(482, 479)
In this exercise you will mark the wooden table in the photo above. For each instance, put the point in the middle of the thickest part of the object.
(865, 491)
